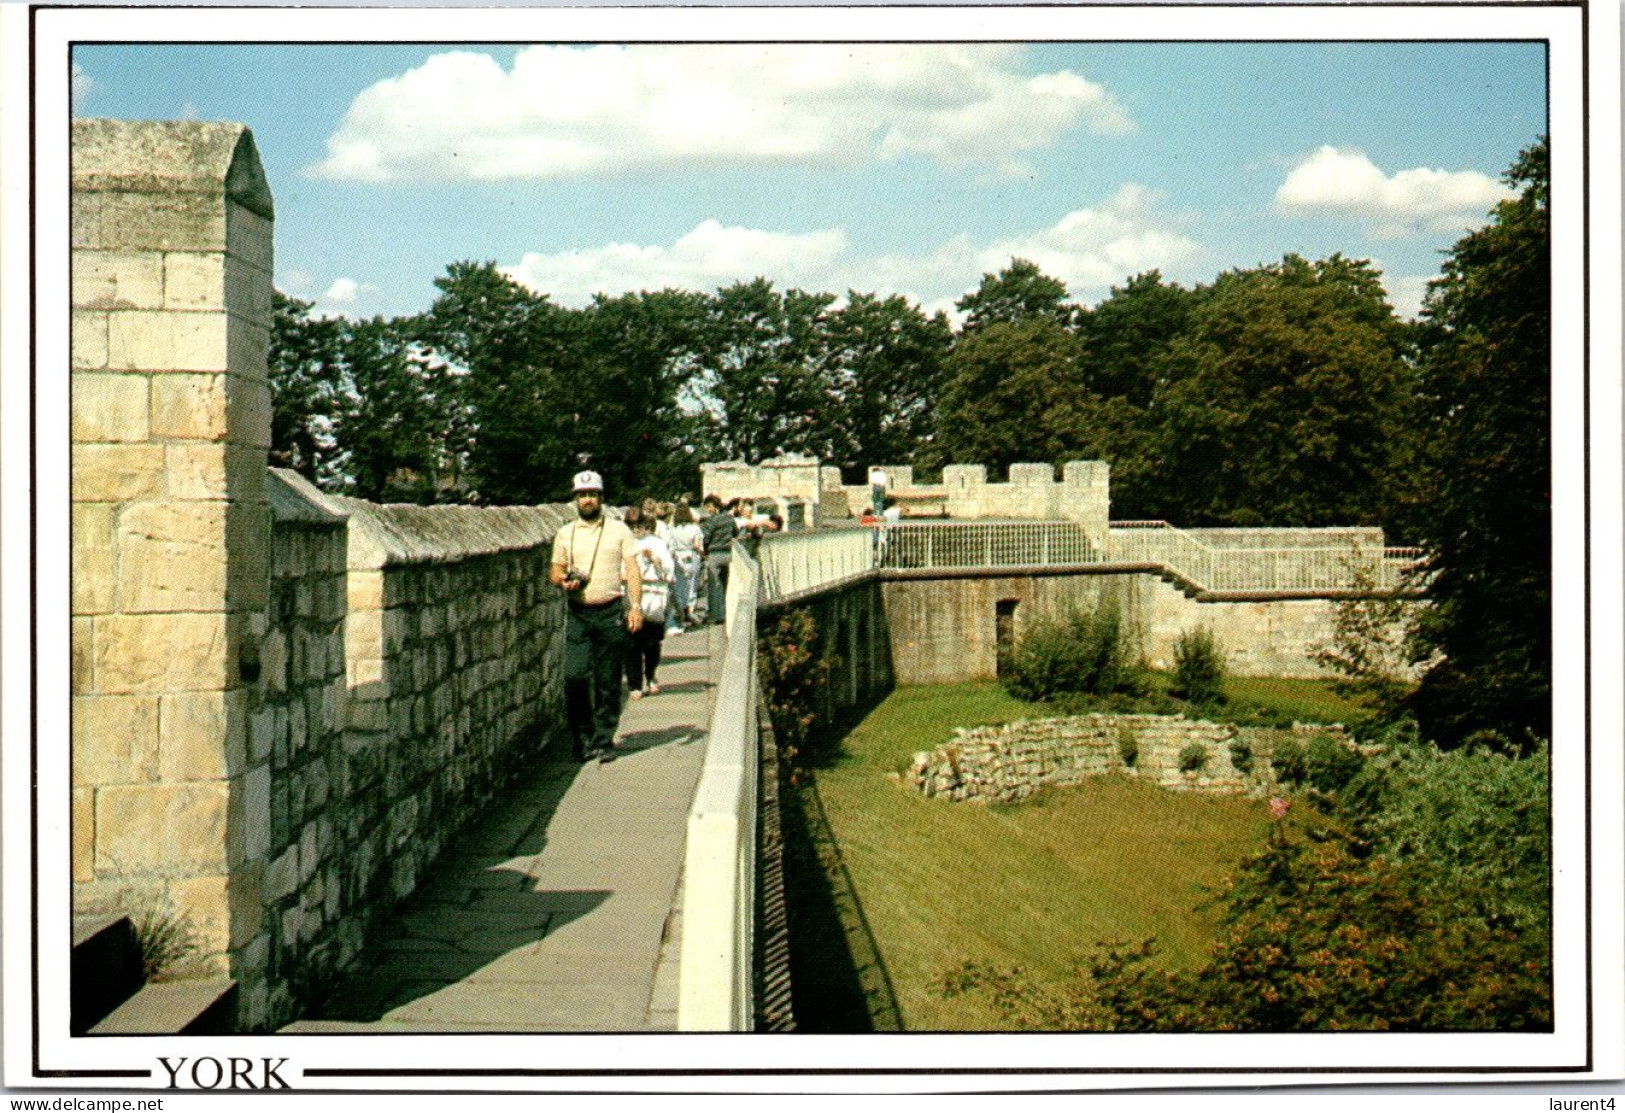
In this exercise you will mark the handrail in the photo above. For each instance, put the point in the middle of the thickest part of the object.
(1259, 568)
(719, 871)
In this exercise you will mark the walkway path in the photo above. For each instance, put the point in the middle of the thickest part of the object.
(557, 910)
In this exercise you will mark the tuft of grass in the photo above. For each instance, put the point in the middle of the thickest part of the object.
(1036, 884)
(165, 939)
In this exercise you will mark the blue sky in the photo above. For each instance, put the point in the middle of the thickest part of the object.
(911, 169)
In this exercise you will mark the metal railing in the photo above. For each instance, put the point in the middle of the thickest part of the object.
(1206, 567)
(799, 563)
(984, 545)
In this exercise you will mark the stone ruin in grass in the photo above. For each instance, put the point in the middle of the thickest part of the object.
(1003, 764)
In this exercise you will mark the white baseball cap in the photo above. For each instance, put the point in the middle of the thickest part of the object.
(588, 481)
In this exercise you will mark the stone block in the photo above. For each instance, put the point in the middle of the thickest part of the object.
(115, 739)
(195, 280)
(248, 238)
(94, 530)
(189, 407)
(159, 341)
(161, 653)
(118, 280)
(248, 291)
(88, 339)
(202, 736)
(250, 833)
(82, 655)
(248, 540)
(365, 591)
(195, 471)
(172, 557)
(282, 876)
(248, 394)
(84, 834)
(204, 902)
(154, 221)
(109, 408)
(173, 830)
(117, 472)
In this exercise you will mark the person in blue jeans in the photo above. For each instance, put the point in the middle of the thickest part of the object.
(595, 563)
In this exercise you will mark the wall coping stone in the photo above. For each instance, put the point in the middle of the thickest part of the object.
(294, 498)
(170, 156)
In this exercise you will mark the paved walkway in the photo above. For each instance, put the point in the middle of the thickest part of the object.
(557, 910)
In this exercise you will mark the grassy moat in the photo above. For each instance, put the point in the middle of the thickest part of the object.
(932, 884)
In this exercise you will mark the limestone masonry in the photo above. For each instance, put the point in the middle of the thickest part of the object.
(1003, 764)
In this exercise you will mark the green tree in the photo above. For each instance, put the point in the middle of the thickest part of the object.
(304, 366)
(759, 389)
(1485, 517)
(389, 421)
(1290, 409)
(1015, 393)
(884, 366)
(511, 354)
(1020, 292)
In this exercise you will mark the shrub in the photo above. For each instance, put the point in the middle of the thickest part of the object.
(1289, 761)
(165, 939)
(1329, 764)
(1193, 758)
(1198, 668)
(1081, 654)
(1128, 745)
(1476, 823)
(795, 673)
(1241, 756)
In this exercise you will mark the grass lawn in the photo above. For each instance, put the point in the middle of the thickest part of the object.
(1035, 884)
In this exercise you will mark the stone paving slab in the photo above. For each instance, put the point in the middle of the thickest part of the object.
(557, 910)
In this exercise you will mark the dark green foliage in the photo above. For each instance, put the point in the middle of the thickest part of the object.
(1241, 756)
(1128, 746)
(1019, 293)
(306, 394)
(1198, 668)
(1484, 514)
(1014, 394)
(1082, 653)
(1319, 938)
(1329, 764)
(1193, 758)
(795, 670)
(1289, 761)
(1475, 823)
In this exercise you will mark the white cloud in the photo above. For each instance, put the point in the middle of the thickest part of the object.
(83, 85)
(566, 111)
(343, 291)
(1335, 180)
(1089, 249)
(1405, 293)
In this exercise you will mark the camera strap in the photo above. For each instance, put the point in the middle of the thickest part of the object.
(575, 527)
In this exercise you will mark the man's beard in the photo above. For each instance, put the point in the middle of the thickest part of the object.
(589, 513)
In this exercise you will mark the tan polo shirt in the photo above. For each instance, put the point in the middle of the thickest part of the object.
(576, 544)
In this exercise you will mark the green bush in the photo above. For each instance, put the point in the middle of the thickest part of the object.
(1241, 756)
(1128, 745)
(1193, 758)
(1198, 668)
(1081, 654)
(1477, 823)
(1289, 761)
(1329, 764)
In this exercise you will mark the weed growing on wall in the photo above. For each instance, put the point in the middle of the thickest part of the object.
(1198, 668)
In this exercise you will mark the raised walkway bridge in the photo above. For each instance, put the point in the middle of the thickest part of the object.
(623, 897)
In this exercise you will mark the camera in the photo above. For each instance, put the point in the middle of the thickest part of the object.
(574, 579)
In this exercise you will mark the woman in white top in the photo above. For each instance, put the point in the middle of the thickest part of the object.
(689, 552)
(657, 568)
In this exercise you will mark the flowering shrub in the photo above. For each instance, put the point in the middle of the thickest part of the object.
(795, 674)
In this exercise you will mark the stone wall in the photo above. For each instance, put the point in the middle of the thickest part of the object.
(945, 631)
(171, 269)
(1003, 764)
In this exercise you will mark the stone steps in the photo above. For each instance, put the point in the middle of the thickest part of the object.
(109, 995)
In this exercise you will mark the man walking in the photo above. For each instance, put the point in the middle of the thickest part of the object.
(717, 531)
(595, 561)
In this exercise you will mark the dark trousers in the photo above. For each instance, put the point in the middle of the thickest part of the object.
(594, 651)
(716, 588)
(643, 654)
